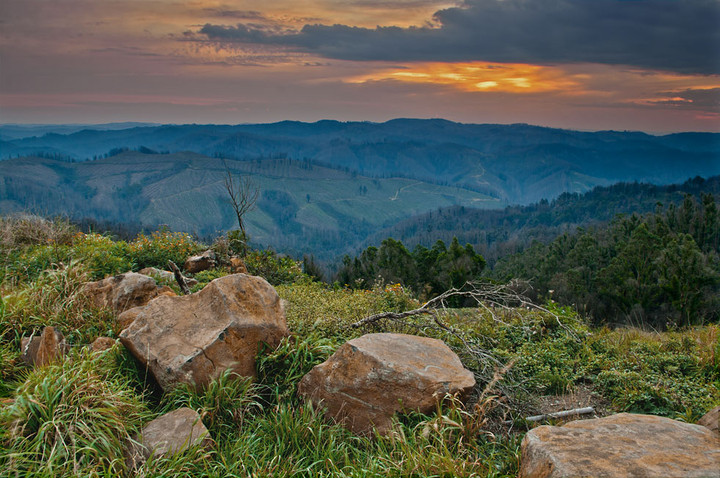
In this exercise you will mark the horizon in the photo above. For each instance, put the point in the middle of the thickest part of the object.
(608, 65)
(149, 124)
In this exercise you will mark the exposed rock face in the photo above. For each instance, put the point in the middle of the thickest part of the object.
(194, 338)
(370, 378)
(237, 266)
(125, 291)
(45, 348)
(711, 420)
(621, 445)
(165, 277)
(172, 433)
(203, 262)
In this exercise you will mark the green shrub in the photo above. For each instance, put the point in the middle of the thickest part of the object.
(160, 247)
(101, 256)
(273, 268)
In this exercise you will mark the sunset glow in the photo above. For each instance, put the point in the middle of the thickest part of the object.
(256, 61)
(470, 77)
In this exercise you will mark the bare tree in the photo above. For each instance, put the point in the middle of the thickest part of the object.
(243, 194)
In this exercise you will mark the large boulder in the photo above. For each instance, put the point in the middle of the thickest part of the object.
(125, 291)
(169, 434)
(194, 338)
(371, 378)
(40, 350)
(621, 445)
(199, 263)
(165, 277)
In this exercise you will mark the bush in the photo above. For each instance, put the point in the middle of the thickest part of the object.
(273, 268)
(101, 255)
(160, 247)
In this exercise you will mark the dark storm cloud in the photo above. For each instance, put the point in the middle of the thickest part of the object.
(675, 35)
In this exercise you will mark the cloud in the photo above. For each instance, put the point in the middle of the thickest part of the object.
(673, 35)
(696, 99)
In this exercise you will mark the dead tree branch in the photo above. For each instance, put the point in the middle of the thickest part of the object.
(179, 277)
(243, 194)
(498, 301)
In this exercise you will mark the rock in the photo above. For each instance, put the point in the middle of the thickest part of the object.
(165, 277)
(711, 420)
(169, 434)
(101, 344)
(203, 262)
(194, 338)
(620, 445)
(368, 379)
(125, 291)
(45, 348)
(237, 266)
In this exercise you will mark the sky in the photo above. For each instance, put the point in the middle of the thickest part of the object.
(644, 65)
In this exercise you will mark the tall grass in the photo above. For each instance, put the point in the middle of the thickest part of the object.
(73, 418)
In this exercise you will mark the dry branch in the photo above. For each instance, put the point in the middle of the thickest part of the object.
(497, 300)
(179, 277)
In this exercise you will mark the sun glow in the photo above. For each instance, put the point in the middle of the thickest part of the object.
(479, 77)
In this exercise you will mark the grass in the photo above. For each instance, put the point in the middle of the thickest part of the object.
(73, 418)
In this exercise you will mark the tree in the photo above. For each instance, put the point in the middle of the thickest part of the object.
(243, 194)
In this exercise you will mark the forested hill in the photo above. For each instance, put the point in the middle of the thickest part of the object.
(516, 164)
(497, 233)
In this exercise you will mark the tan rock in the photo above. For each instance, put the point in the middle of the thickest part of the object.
(165, 277)
(101, 344)
(622, 445)
(169, 434)
(237, 266)
(371, 378)
(125, 291)
(174, 432)
(194, 338)
(711, 420)
(202, 262)
(45, 348)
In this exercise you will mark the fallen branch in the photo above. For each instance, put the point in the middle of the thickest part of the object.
(179, 278)
(562, 414)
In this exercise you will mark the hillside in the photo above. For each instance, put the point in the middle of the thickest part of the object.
(497, 233)
(302, 206)
(525, 360)
(517, 164)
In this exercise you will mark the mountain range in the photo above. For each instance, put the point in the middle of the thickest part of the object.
(325, 187)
